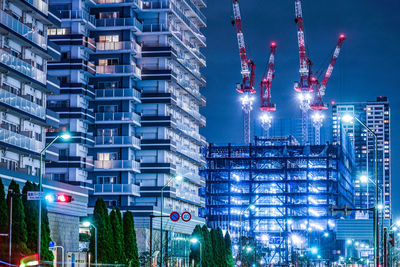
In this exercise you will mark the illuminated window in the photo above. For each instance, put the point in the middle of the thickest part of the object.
(57, 31)
(109, 38)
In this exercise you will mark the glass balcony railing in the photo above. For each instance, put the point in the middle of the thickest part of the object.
(196, 10)
(190, 153)
(121, 189)
(119, 70)
(22, 104)
(77, 14)
(115, 46)
(21, 66)
(118, 117)
(22, 29)
(39, 4)
(119, 22)
(117, 140)
(19, 140)
(118, 93)
(117, 164)
(135, 2)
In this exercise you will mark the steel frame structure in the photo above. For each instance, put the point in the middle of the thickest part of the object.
(291, 187)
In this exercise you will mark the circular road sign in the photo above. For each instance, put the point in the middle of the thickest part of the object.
(174, 216)
(186, 216)
(52, 244)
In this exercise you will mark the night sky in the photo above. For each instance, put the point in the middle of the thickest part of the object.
(369, 65)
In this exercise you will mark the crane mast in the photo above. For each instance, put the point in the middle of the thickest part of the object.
(246, 88)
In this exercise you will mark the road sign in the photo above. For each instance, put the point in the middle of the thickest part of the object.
(35, 195)
(186, 216)
(52, 244)
(174, 216)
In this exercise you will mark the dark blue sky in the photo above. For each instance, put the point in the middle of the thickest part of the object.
(369, 65)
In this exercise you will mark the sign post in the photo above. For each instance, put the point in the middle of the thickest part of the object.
(35, 195)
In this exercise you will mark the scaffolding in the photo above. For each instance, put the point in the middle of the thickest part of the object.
(279, 193)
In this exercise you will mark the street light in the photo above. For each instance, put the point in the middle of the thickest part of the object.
(88, 224)
(64, 136)
(347, 118)
(177, 178)
(194, 241)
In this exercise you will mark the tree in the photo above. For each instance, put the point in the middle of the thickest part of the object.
(228, 251)
(3, 222)
(31, 221)
(19, 237)
(118, 239)
(131, 249)
(218, 246)
(105, 248)
(195, 248)
(207, 250)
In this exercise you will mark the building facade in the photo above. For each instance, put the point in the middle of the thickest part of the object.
(376, 116)
(278, 194)
(25, 87)
(130, 96)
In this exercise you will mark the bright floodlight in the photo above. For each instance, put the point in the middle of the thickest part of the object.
(66, 136)
(252, 207)
(194, 240)
(314, 250)
(326, 234)
(248, 249)
(380, 206)
(296, 239)
(398, 223)
(348, 242)
(364, 179)
(179, 178)
(347, 118)
(264, 237)
(289, 221)
(86, 224)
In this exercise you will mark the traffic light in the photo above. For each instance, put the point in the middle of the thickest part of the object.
(62, 198)
(391, 239)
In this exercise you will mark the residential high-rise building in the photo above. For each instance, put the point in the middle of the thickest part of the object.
(275, 195)
(376, 116)
(130, 96)
(25, 52)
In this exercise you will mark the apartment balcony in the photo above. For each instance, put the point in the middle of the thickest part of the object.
(196, 11)
(20, 141)
(118, 47)
(119, 23)
(195, 93)
(22, 104)
(118, 118)
(23, 30)
(117, 189)
(118, 94)
(193, 113)
(117, 141)
(196, 156)
(191, 176)
(21, 66)
(136, 3)
(40, 5)
(116, 165)
(191, 133)
(118, 70)
(77, 15)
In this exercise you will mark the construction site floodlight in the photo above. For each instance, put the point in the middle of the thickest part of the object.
(380, 206)
(364, 179)
(249, 249)
(349, 241)
(314, 250)
(398, 223)
(252, 207)
(289, 221)
(347, 118)
(326, 234)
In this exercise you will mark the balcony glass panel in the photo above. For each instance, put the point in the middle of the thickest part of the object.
(118, 116)
(77, 14)
(117, 164)
(115, 93)
(22, 29)
(21, 141)
(117, 140)
(39, 4)
(117, 188)
(22, 67)
(119, 22)
(22, 104)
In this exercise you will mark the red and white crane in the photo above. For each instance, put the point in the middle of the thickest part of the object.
(265, 93)
(246, 88)
(310, 90)
(305, 86)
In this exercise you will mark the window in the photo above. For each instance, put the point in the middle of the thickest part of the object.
(58, 31)
(108, 108)
(108, 85)
(108, 61)
(109, 15)
(107, 132)
(109, 38)
(107, 156)
(108, 180)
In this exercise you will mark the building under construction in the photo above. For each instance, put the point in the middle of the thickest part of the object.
(277, 193)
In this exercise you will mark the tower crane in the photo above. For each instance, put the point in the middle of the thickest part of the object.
(265, 93)
(246, 88)
(305, 86)
(318, 105)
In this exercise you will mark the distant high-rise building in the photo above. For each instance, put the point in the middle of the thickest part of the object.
(376, 116)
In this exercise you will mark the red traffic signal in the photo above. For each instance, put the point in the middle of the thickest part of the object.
(63, 198)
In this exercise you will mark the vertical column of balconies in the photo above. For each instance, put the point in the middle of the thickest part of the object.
(116, 98)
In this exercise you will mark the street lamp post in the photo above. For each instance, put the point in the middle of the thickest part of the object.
(194, 240)
(88, 224)
(350, 118)
(178, 178)
(64, 136)
(251, 206)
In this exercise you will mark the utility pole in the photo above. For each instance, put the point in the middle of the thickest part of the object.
(385, 251)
